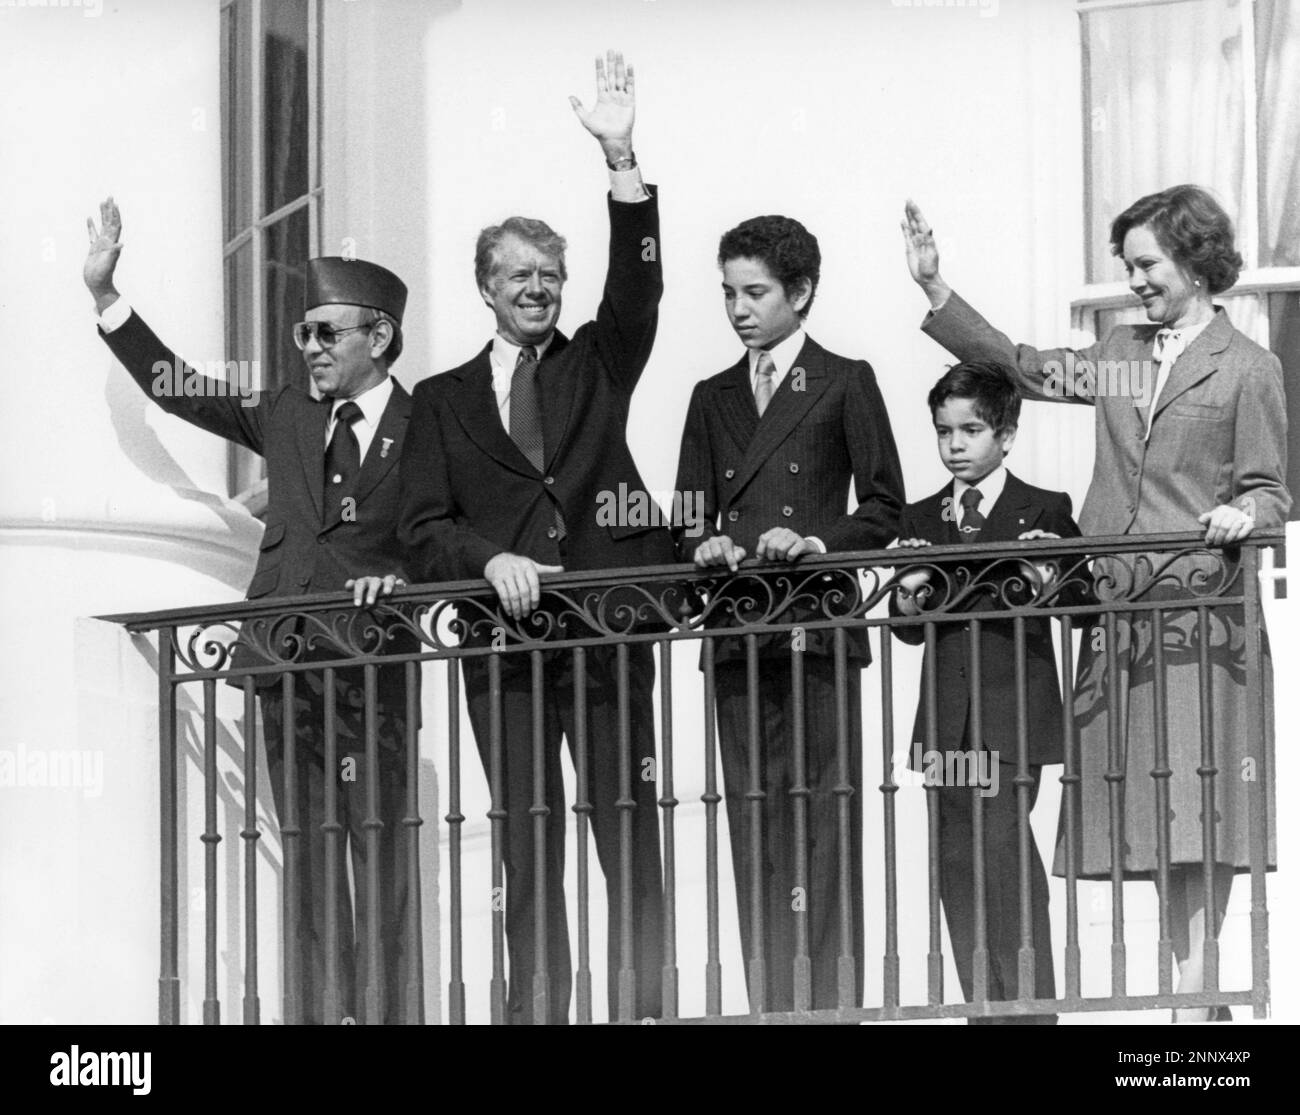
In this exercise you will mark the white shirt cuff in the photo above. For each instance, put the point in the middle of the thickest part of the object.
(627, 185)
(821, 546)
(115, 316)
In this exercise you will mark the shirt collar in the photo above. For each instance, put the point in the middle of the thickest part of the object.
(783, 355)
(372, 401)
(506, 353)
(990, 489)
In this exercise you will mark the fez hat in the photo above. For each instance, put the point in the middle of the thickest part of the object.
(333, 280)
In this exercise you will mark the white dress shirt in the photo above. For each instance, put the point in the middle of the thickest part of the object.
(372, 402)
(990, 490)
(504, 356)
(1188, 334)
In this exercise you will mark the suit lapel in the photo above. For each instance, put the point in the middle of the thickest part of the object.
(559, 393)
(385, 449)
(736, 404)
(1198, 361)
(311, 423)
(475, 407)
(1012, 515)
(786, 410)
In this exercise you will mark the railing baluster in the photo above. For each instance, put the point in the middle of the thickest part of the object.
(540, 813)
(1207, 772)
(710, 798)
(169, 984)
(1026, 985)
(847, 970)
(211, 838)
(627, 973)
(889, 791)
(800, 794)
(980, 953)
(333, 832)
(291, 847)
(1259, 730)
(934, 959)
(497, 817)
(1115, 776)
(668, 802)
(411, 833)
(374, 834)
(1160, 774)
(455, 823)
(1070, 797)
(755, 797)
(249, 834)
(582, 808)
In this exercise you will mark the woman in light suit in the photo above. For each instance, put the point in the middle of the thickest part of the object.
(1200, 444)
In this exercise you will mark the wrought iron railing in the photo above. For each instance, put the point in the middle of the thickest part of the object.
(1153, 580)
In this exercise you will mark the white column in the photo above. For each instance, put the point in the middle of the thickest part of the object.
(107, 505)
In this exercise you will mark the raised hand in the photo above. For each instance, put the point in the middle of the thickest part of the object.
(610, 119)
(101, 259)
(923, 254)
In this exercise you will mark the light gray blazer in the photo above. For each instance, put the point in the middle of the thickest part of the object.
(1218, 436)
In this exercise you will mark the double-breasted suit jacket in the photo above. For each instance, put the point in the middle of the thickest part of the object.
(824, 433)
(1021, 507)
(1218, 436)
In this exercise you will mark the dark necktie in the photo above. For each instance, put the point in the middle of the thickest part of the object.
(343, 454)
(971, 519)
(526, 419)
(526, 409)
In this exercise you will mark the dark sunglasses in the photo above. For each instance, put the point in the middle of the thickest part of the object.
(326, 335)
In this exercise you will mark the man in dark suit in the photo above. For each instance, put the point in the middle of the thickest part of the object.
(332, 517)
(510, 459)
(771, 449)
(976, 408)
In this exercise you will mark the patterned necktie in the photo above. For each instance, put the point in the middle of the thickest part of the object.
(526, 419)
(343, 454)
(526, 409)
(763, 382)
(971, 520)
(1170, 345)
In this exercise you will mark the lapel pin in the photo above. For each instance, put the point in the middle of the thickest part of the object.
(383, 452)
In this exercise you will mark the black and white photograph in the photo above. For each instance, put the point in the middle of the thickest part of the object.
(651, 512)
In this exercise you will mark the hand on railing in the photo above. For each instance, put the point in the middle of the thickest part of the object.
(719, 550)
(912, 582)
(517, 582)
(369, 589)
(1041, 572)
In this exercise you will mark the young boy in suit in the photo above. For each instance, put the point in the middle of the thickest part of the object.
(976, 407)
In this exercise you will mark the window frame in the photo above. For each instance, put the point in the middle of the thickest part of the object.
(254, 497)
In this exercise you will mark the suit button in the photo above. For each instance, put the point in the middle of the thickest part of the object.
(794, 467)
(730, 474)
(549, 480)
(552, 532)
(321, 539)
(305, 581)
(787, 511)
(732, 516)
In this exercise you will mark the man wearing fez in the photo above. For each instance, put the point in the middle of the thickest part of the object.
(502, 479)
(332, 475)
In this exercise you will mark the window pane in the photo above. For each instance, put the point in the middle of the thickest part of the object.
(1284, 340)
(1126, 315)
(285, 291)
(1163, 91)
(236, 118)
(245, 467)
(1277, 42)
(284, 107)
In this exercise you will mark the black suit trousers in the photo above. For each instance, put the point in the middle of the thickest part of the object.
(398, 986)
(775, 888)
(605, 789)
(1001, 888)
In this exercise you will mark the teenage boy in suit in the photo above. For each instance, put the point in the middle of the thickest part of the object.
(976, 407)
(772, 448)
